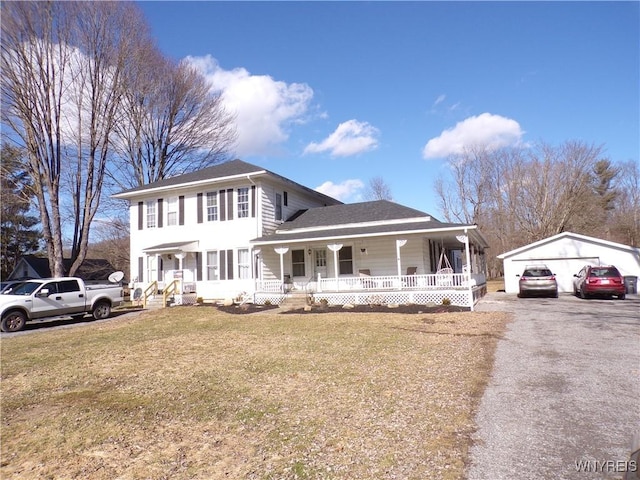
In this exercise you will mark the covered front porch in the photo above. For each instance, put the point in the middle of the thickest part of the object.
(445, 266)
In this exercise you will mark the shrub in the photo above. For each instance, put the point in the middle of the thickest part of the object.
(267, 303)
(446, 301)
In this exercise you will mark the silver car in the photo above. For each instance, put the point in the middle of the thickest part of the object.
(538, 280)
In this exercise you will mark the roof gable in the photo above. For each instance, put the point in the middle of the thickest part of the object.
(226, 170)
(562, 235)
(223, 170)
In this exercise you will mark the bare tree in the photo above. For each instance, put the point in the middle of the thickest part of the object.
(464, 193)
(172, 123)
(63, 67)
(378, 189)
(520, 195)
(625, 218)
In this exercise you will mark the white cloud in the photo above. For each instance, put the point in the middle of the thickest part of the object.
(347, 190)
(490, 131)
(350, 138)
(440, 99)
(264, 107)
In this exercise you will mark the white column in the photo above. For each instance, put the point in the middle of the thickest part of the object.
(399, 244)
(465, 239)
(281, 251)
(335, 248)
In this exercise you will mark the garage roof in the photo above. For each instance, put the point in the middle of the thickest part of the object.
(576, 236)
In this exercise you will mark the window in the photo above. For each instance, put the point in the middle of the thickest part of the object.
(345, 259)
(151, 268)
(321, 258)
(297, 263)
(212, 265)
(212, 206)
(68, 286)
(244, 265)
(278, 206)
(172, 211)
(243, 202)
(151, 214)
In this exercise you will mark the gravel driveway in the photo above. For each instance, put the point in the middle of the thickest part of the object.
(564, 398)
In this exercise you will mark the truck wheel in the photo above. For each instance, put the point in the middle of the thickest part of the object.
(13, 321)
(101, 310)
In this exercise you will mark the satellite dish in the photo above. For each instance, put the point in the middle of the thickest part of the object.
(115, 277)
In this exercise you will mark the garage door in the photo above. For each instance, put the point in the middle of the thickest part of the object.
(563, 268)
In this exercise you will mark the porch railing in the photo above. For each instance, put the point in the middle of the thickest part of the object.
(150, 291)
(382, 282)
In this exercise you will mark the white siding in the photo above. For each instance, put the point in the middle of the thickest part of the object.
(213, 235)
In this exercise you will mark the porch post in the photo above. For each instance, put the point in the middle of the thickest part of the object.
(281, 251)
(465, 239)
(399, 243)
(466, 249)
(180, 256)
(335, 247)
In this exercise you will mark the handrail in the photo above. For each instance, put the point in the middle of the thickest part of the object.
(169, 290)
(152, 289)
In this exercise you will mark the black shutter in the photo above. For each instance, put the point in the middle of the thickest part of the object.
(140, 215)
(181, 210)
(223, 206)
(230, 204)
(141, 269)
(160, 276)
(200, 207)
(198, 266)
(223, 264)
(160, 213)
(286, 199)
(229, 264)
(253, 200)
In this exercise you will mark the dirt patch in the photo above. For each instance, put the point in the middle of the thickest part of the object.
(246, 308)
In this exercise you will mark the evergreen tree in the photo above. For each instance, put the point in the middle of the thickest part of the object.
(18, 235)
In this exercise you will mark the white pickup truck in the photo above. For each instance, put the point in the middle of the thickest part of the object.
(54, 297)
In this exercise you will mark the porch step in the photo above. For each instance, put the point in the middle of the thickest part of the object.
(155, 303)
(294, 300)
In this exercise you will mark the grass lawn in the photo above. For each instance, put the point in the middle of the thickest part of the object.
(194, 393)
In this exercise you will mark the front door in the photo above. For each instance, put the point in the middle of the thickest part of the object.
(320, 262)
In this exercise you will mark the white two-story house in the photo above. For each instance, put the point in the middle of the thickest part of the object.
(198, 227)
(237, 230)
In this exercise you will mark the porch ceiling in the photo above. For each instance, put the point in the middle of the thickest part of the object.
(190, 246)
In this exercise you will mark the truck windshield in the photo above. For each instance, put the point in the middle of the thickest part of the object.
(26, 288)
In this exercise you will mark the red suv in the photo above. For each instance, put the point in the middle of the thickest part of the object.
(601, 280)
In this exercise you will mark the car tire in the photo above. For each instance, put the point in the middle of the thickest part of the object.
(582, 294)
(13, 321)
(101, 310)
(622, 297)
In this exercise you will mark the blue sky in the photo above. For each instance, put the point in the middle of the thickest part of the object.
(331, 94)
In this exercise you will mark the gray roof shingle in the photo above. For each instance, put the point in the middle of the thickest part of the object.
(223, 170)
(363, 212)
(358, 219)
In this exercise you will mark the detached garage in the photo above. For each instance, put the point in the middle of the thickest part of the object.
(565, 254)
